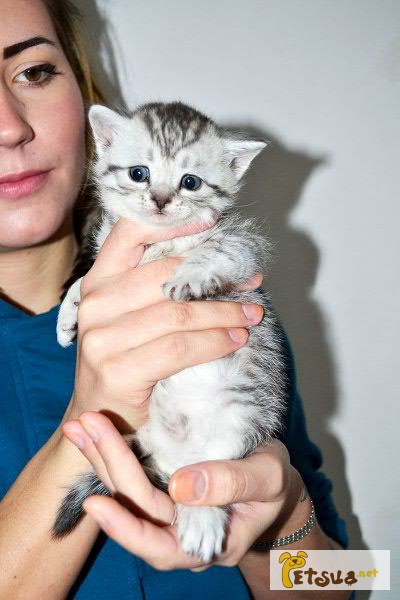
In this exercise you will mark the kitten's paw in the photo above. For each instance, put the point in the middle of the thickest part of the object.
(192, 285)
(201, 530)
(67, 323)
(68, 315)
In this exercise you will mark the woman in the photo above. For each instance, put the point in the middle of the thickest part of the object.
(45, 87)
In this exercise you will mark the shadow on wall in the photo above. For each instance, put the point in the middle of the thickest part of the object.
(271, 192)
(274, 187)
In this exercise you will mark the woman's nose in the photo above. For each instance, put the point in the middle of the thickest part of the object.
(14, 129)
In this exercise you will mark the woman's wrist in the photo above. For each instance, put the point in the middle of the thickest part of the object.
(27, 514)
(59, 450)
(294, 514)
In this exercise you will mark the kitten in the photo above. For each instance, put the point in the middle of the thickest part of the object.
(167, 165)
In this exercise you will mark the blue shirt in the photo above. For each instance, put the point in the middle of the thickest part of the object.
(36, 383)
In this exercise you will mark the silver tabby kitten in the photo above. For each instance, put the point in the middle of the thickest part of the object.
(166, 165)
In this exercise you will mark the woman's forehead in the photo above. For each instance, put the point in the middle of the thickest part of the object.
(23, 20)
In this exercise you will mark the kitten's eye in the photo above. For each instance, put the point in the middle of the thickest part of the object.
(191, 182)
(139, 174)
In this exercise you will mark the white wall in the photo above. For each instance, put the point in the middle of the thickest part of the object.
(321, 79)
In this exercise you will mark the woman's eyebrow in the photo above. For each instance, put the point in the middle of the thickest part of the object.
(10, 51)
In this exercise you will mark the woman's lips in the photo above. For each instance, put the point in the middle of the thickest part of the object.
(24, 186)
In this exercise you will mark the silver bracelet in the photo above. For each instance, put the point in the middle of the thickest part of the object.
(296, 535)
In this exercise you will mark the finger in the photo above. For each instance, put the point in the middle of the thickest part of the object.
(74, 431)
(128, 291)
(158, 546)
(124, 246)
(262, 476)
(124, 469)
(252, 284)
(133, 290)
(141, 326)
(198, 569)
(170, 354)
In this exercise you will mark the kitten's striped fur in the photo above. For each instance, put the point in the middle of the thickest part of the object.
(219, 410)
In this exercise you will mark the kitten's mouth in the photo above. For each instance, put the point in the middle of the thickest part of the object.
(168, 220)
(161, 217)
(159, 213)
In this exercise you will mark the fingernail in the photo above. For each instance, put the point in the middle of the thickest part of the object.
(253, 312)
(90, 430)
(238, 335)
(77, 440)
(188, 485)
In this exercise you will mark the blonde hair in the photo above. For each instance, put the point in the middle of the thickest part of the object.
(67, 19)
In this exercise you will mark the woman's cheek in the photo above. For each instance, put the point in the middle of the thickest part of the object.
(59, 145)
(64, 134)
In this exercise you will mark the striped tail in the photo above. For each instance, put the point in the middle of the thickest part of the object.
(71, 510)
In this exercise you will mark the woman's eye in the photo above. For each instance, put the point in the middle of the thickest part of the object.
(38, 74)
(191, 182)
(139, 174)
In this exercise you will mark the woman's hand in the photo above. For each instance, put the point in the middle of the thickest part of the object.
(130, 336)
(263, 488)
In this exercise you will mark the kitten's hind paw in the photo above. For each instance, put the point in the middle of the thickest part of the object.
(201, 530)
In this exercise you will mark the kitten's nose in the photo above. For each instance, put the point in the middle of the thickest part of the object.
(161, 200)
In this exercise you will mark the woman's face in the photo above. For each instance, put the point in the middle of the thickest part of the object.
(42, 127)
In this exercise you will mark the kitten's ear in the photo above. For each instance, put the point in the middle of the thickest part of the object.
(105, 124)
(241, 151)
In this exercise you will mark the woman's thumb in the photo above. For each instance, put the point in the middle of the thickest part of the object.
(216, 483)
(261, 476)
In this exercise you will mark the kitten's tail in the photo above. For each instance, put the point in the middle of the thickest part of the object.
(71, 510)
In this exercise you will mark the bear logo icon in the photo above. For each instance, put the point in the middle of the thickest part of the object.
(291, 562)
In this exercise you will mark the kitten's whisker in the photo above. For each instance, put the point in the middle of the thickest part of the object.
(248, 204)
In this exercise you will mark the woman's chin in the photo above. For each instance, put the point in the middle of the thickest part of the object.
(20, 231)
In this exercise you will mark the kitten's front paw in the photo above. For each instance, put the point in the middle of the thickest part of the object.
(192, 285)
(201, 530)
(68, 315)
(67, 324)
